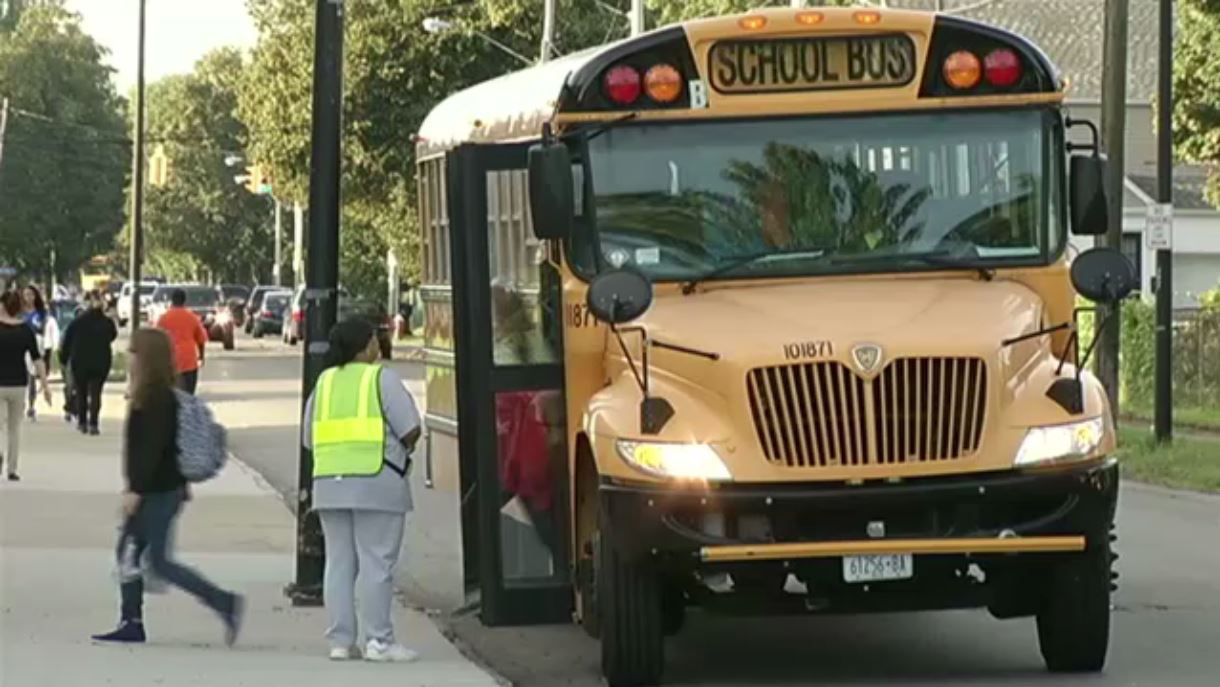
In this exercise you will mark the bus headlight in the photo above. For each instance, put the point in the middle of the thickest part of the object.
(678, 461)
(1060, 443)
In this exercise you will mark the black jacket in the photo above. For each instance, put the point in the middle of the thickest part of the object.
(150, 448)
(86, 344)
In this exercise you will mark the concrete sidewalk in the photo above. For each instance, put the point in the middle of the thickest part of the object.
(57, 530)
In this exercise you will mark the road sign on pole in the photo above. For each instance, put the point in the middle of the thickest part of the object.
(1158, 227)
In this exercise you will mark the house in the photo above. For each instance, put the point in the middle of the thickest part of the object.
(1071, 33)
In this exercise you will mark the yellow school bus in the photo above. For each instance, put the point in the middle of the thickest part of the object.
(769, 313)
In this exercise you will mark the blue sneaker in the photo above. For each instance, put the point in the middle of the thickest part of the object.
(128, 632)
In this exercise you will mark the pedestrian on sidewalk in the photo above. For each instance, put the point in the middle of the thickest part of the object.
(155, 493)
(17, 344)
(34, 312)
(189, 337)
(86, 348)
(362, 426)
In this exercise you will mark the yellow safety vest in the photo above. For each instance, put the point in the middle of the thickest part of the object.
(348, 426)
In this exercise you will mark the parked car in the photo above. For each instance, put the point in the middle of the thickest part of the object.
(255, 302)
(349, 306)
(207, 302)
(123, 307)
(269, 317)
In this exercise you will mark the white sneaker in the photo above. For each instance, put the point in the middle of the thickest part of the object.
(379, 652)
(344, 653)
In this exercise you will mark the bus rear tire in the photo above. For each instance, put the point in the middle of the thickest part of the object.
(629, 605)
(1074, 622)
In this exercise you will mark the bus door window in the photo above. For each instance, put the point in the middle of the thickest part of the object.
(530, 428)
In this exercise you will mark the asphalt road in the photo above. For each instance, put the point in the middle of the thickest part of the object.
(1166, 630)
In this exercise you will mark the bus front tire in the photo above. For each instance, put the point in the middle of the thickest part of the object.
(1074, 622)
(629, 606)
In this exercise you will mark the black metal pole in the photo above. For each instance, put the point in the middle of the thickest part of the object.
(322, 273)
(1164, 258)
(136, 265)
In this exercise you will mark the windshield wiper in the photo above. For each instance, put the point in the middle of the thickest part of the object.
(938, 258)
(739, 261)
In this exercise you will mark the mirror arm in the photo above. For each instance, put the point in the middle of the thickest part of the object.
(1095, 146)
(1035, 334)
(641, 376)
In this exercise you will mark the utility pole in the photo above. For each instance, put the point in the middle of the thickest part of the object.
(637, 17)
(3, 127)
(1164, 256)
(298, 245)
(276, 271)
(548, 30)
(137, 181)
(322, 275)
(1113, 134)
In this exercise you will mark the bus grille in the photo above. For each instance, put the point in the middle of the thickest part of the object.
(823, 414)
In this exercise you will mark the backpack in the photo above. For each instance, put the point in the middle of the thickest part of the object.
(202, 442)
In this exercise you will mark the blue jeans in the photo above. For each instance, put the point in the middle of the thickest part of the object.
(149, 530)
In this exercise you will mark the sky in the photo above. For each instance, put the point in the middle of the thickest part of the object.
(177, 33)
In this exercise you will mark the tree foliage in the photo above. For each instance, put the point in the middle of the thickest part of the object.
(394, 73)
(65, 153)
(202, 224)
(1196, 86)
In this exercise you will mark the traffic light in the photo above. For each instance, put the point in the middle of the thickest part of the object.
(158, 168)
(258, 180)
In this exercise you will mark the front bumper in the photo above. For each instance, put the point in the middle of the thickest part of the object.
(1067, 509)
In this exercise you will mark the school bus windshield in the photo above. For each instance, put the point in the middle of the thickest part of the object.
(789, 197)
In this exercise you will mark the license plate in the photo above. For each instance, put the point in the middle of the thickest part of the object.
(895, 566)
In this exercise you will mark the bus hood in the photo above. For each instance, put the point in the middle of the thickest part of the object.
(903, 316)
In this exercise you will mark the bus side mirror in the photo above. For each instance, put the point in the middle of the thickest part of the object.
(619, 296)
(1103, 275)
(552, 192)
(1090, 215)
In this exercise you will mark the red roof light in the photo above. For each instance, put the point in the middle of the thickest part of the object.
(1002, 67)
(622, 85)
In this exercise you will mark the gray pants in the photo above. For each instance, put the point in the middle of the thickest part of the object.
(362, 548)
(12, 414)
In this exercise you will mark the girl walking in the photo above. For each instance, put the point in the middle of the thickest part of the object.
(35, 314)
(155, 493)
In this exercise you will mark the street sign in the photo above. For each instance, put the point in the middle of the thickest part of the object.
(1158, 227)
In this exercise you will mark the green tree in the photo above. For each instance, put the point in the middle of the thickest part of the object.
(1196, 88)
(65, 152)
(394, 74)
(201, 224)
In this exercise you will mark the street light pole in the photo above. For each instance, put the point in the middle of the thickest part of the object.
(548, 30)
(1164, 258)
(637, 17)
(322, 275)
(276, 271)
(136, 266)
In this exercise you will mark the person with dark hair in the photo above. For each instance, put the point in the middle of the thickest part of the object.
(189, 337)
(362, 427)
(17, 343)
(154, 495)
(86, 348)
(35, 314)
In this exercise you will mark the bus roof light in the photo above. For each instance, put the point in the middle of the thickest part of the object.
(809, 18)
(663, 83)
(622, 84)
(753, 22)
(867, 17)
(962, 70)
(1002, 67)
